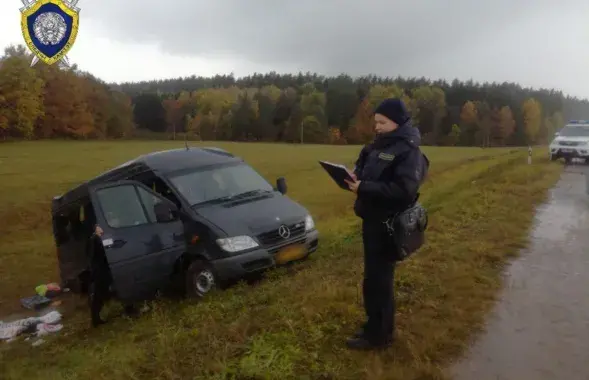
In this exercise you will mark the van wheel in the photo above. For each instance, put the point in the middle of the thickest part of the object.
(200, 279)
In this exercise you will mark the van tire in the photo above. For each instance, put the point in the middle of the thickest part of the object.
(200, 279)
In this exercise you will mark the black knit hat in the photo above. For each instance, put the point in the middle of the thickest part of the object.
(394, 109)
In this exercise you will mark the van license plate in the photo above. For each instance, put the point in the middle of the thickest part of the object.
(567, 150)
(290, 253)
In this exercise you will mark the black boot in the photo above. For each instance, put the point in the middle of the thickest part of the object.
(359, 341)
(360, 332)
(95, 303)
(362, 343)
(97, 321)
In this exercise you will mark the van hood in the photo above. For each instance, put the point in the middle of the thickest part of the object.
(572, 138)
(254, 215)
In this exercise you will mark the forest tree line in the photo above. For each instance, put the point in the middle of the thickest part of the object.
(56, 102)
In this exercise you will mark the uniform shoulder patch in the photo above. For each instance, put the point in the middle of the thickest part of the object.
(386, 156)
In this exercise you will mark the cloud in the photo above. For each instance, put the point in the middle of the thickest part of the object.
(328, 35)
(534, 42)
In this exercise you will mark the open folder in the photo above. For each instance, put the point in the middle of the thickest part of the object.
(339, 173)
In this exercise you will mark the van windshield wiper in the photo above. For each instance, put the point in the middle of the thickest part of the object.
(215, 200)
(250, 193)
(232, 197)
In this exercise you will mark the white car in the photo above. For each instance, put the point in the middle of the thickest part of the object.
(571, 142)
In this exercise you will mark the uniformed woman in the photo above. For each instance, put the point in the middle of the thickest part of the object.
(387, 177)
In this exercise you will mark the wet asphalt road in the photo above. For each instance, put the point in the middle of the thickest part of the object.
(540, 327)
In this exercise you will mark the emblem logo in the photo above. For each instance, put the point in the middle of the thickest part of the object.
(386, 156)
(284, 232)
(50, 28)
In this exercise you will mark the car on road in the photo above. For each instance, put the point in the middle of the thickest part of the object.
(198, 217)
(571, 142)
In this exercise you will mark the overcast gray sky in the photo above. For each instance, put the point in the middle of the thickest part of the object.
(538, 43)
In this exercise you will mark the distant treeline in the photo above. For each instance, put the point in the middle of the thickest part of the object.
(55, 102)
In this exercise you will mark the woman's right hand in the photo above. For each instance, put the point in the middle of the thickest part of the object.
(352, 174)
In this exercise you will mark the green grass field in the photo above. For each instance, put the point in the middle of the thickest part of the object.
(291, 325)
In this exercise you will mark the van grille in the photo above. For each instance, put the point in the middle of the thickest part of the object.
(273, 237)
(276, 248)
(569, 143)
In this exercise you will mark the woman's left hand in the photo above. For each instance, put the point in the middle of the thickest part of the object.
(353, 185)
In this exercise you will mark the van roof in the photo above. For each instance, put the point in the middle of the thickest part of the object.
(161, 161)
(175, 159)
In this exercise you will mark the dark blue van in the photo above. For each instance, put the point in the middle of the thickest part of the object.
(199, 215)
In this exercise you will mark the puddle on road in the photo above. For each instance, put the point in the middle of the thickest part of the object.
(540, 327)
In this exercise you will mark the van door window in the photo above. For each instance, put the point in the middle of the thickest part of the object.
(157, 186)
(164, 190)
(121, 206)
(149, 201)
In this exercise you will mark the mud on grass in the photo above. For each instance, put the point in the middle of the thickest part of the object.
(292, 324)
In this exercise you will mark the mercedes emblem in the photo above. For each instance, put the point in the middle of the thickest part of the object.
(284, 232)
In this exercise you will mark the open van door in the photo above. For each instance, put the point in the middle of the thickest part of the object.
(143, 237)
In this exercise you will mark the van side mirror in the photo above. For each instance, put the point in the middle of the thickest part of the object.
(165, 212)
(281, 185)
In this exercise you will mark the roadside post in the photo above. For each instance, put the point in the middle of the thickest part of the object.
(586, 173)
(529, 154)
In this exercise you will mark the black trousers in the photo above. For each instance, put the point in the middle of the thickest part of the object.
(377, 289)
(98, 294)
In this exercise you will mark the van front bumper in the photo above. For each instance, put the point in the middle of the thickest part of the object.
(241, 265)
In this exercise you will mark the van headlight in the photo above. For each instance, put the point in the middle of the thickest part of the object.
(237, 243)
(309, 223)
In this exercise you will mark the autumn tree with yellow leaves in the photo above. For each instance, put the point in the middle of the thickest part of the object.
(64, 102)
(532, 115)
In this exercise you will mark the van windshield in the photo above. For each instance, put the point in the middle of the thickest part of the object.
(219, 184)
(570, 131)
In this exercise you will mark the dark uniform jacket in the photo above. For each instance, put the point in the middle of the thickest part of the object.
(391, 170)
(99, 268)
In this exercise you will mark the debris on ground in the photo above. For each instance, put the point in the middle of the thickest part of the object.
(44, 297)
(46, 328)
(37, 326)
(48, 290)
(35, 302)
(37, 343)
